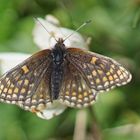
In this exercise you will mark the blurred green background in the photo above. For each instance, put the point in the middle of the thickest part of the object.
(115, 32)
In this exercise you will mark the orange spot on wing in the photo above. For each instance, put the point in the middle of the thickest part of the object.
(25, 69)
(93, 60)
(110, 78)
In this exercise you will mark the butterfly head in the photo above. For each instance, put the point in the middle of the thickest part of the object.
(60, 44)
(58, 52)
(60, 40)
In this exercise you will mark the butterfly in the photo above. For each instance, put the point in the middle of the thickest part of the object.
(71, 76)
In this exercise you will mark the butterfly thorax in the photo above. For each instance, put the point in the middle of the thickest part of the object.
(58, 56)
(58, 52)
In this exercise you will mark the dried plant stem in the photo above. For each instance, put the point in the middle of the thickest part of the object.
(80, 125)
(95, 129)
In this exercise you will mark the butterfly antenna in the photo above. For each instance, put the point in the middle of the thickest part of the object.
(85, 23)
(45, 28)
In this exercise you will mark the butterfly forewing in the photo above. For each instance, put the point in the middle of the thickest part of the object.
(21, 85)
(99, 72)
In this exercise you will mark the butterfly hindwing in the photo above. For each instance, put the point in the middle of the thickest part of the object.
(74, 91)
(21, 84)
(40, 99)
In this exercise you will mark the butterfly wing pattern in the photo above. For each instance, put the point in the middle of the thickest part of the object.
(75, 92)
(89, 74)
(34, 83)
(24, 84)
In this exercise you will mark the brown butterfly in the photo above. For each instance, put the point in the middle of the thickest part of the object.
(71, 76)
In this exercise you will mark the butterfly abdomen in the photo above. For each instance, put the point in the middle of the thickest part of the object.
(57, 71)
(56, 81)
